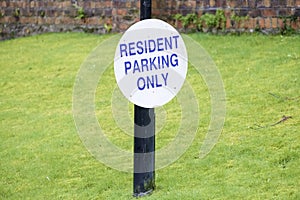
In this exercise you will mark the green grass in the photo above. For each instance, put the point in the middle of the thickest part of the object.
(42, 156)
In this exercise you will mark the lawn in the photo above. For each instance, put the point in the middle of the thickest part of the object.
(257, 155)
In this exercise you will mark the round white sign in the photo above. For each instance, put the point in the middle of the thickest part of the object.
(150, 63)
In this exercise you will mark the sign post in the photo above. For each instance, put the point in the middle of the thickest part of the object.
(150, 68)
(144, 125)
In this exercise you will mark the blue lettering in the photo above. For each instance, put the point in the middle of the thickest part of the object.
(153, 81)
(123, 48)
(127, 66)
(176, 37)
(165, 78)
(165, 61)
(144, 64)
(136, 67)
(160, 44)
(150, 82)
(152, 64)
(140, 81)
(151, 47)
(174, 62)
(146, 48)
(139, 46)
(158, 62)
(131, 49)
(156, 80)
(168, 43)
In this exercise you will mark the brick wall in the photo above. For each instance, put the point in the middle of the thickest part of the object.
(25, 17)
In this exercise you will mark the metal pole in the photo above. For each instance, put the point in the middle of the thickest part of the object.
(145, 9)
(144, 137)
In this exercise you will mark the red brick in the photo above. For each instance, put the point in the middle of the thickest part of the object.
(268, 12)
(156, 12)
(228, 23)
(200, 13)
(97, 4)
(18, 4)
(95, 20)
(3, 19)
(192, 4)
(10, 19)
(108, 21)
(267, 23)
(179, 25)
(50, 3)
(220, 4)
(227, 13)
(67, 4)
(280, 23)
(57, 20)
(172, 12)
(39, 4)
(290, 3)
(50, 20)
(154, 4)
(114, 11)
(67, 20)
(93, 4)
(123, 26)
(25, 4)
(122, 12)
(23, 20)
(274, 23)
(232, 4)
(137, 5)
(247, 24)
(267, 3)
(261, 23)
(108, 4)
(128, 4)
(3, 4)
(294, 25)
(252, 4)
(245, 3)
(41, 20)
(28, 20)
(78, 21)
(253, 23)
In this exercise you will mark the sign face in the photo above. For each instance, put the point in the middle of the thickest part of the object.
(150, 63)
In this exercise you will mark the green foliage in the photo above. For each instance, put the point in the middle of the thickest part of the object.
(16, 13)
(189, 19)
(42, 13)
(287, 29)
(108, 27)
(209, 20)
(217, 20)
(80, 12)
(220, 19)
(238, 20)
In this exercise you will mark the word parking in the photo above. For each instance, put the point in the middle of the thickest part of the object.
(151, 55)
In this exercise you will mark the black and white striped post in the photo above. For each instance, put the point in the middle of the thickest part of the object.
(144, 136)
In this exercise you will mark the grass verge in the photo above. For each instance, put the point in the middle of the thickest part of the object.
(42, 156)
